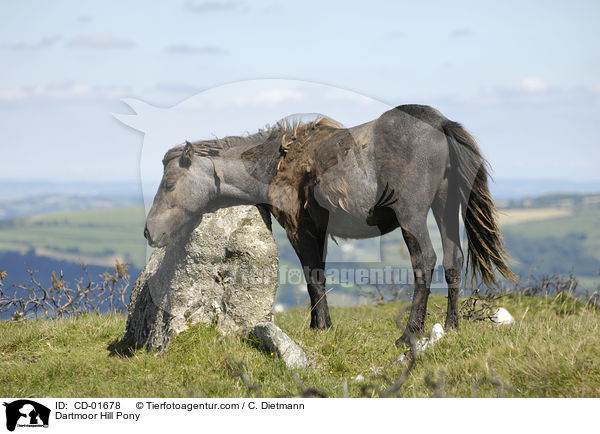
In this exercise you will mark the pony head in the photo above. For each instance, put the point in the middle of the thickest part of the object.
(190, 184)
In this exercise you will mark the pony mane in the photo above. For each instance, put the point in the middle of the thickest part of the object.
(206, 148)
(290, 130)
(295, 130)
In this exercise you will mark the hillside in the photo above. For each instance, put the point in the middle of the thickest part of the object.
(554, 234)
(544, 235)
(92, 236)
(553, 350)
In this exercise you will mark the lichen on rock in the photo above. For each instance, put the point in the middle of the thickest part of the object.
(223, 273)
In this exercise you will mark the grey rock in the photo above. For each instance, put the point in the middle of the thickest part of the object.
(222, 272)
(275, 340)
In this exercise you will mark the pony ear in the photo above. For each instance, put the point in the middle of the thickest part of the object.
(185, 160)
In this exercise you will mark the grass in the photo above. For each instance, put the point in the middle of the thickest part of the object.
(552, 350)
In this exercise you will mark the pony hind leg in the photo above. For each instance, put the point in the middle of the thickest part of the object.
(423, 258)
(446, 212)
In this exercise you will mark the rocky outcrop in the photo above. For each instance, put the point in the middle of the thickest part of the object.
(222, 273)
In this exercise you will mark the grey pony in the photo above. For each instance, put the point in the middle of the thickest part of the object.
(320, 179)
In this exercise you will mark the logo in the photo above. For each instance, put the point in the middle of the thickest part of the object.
(26, 413)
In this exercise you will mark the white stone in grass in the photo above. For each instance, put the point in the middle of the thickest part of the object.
(437, 333)
(276, 341)
(502, 316)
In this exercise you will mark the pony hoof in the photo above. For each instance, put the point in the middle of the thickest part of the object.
(451, 325)
(404, 339)
(410, 335)
(321, 325)
(320, 320)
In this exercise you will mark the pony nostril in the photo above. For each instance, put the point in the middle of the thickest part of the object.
(146, 233)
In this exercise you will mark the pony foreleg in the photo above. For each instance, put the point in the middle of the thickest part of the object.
(319, 310)
(310, 246)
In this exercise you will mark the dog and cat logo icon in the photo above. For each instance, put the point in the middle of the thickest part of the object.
(26, 413)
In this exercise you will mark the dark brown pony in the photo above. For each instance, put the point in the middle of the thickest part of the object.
(320, 179)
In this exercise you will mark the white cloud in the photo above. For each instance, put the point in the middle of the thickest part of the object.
(179, 88)
(61, 91)
(277, 96)
(263, 98)
(100, 41)
(533, 85)
(42, 43)
(13, 94)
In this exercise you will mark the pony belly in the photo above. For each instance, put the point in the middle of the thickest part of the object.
(344, 225)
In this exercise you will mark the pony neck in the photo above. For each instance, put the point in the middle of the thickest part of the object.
(240, 180)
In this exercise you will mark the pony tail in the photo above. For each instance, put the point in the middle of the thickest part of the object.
(470, 172)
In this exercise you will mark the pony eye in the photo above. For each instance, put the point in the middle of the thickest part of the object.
(169, 185)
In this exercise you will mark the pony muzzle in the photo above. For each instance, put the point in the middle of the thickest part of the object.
(160, 241)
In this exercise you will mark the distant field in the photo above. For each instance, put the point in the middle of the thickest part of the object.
(551, 223)
(555, 235)
(551, 234)
(94, 235)
(29, 205)
(515, 216)
(581, 221)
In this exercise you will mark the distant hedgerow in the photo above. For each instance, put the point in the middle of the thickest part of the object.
(34, 300)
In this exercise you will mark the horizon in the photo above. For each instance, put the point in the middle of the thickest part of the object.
(502, 189)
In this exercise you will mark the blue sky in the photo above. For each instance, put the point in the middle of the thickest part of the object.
(523, 77)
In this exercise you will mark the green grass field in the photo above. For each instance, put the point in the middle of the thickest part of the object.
(553, 349)
(583, 221)
(95, 233)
